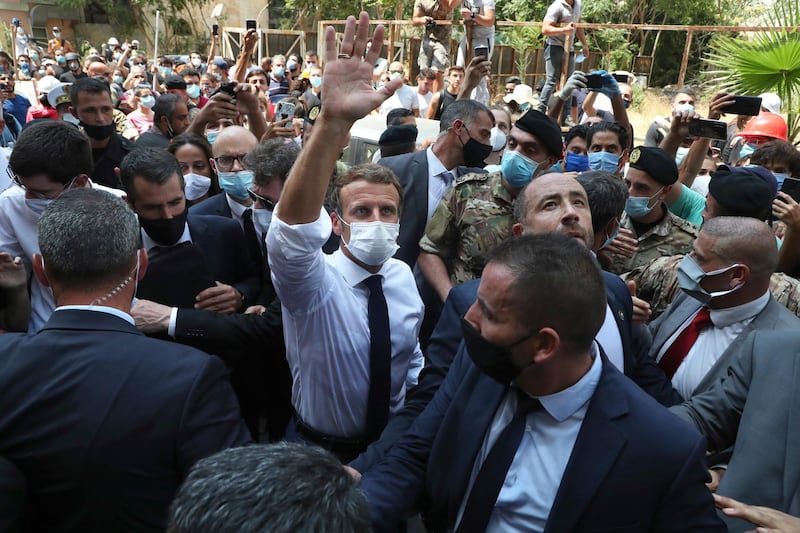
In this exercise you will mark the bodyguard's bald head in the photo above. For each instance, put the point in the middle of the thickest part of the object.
(744, 240)
(235, 138)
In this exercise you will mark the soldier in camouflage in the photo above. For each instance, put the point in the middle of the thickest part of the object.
(477, 213)
(651, 175)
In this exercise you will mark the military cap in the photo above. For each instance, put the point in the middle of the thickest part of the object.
(743, 191)
(658, 164)
(400, 134)
(537, 123)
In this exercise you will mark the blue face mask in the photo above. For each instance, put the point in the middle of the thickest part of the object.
(781, 177)
(517, 169)
(193, 90)
(605, 161)
(237, 183)
(639, 207)
(576, 162)
(611, 237)
(278, 71)
(211, 136)
(746, 150)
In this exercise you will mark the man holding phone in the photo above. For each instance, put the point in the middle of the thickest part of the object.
(479, 14)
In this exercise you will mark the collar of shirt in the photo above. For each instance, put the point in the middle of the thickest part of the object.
(100, 309)
(351, 271)
(435, 167)
(563, 404)
(237, 209)
(148, 243)
(725, 317)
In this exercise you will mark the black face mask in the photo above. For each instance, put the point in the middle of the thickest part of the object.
(492, 359)
(98, 133)
(475, 153)
(165, 231)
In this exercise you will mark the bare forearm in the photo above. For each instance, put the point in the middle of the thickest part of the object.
(308, 180)
(435, 271)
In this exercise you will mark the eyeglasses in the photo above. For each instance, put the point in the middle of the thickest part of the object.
(225, 162)
(268, 204)
(36, 194)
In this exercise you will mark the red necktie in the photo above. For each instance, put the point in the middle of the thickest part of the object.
(676, 353)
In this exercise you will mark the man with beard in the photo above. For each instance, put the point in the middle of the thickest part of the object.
(91, 104)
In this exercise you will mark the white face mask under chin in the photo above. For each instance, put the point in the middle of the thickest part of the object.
(372, 243)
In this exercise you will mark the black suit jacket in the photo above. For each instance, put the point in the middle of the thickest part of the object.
(412, 171)
(104, 422)
(218, 205)
(213, 205)
(634, 466)
(447, 337)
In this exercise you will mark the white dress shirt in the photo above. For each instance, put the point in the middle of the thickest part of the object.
(99, 309)
(532, 481)
(711, 343)
(19, 239)
(437, 184)
(326, 327)
(611, 340)
(237, 209)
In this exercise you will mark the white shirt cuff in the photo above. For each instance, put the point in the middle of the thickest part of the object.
(173, 319)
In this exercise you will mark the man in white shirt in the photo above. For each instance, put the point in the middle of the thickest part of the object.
(352, 352)
(425, 80)
(49, 158)
(404, 96)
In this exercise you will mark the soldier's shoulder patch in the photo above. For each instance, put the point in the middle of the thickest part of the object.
(686, 226)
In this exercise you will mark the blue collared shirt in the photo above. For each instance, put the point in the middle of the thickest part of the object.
(534, 476)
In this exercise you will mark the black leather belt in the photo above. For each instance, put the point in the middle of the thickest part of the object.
(345, 449)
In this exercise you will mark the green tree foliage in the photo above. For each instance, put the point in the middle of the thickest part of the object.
(764, 62)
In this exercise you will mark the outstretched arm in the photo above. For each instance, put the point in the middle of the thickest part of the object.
(348, 97)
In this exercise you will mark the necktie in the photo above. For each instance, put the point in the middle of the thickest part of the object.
(676, 353)
(489, 481)
(447, 177)
(380, 359)
(251, 236)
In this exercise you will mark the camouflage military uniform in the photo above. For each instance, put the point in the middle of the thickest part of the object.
(475, 215)
(673, 235)
(657, 283)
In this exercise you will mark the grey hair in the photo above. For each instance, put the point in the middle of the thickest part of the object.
(280, 488)
(88, 239)
(271, 159)
(466, 110)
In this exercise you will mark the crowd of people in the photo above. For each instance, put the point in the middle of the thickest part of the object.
(529, 323)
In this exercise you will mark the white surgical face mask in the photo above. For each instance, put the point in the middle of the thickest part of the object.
(372, 243)
(196, 185)
(37, 205)
(262, 219)
(72, 119)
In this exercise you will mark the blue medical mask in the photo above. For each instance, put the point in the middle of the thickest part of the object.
(236, 184)
(611, 237)
(118, 80)
(193, 90)
(781, 177)
(262, 219)
(576, 162)
(211, 136)
(278, 71)
(61, 60)
(639, 207)
(746, 150)
(291, 64)
(605, 161)
(147, 101)
(517, 169)
(165, 71)
(684, 107)
(690, 275)
(316, 81)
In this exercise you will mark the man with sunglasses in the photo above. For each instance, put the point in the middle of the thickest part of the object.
(38, 181)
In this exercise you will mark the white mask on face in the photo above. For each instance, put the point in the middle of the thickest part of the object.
(262, 219)
(372, 243)
(196, 185)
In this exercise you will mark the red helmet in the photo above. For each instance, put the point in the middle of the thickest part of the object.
(767, 125)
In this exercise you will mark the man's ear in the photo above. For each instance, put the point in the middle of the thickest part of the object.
(337, 223)
(623, 158)
(548, 343)
(81, 181)
(38, 269)
(516, 229)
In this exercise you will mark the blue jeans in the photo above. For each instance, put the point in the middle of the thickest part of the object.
(553, 63)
